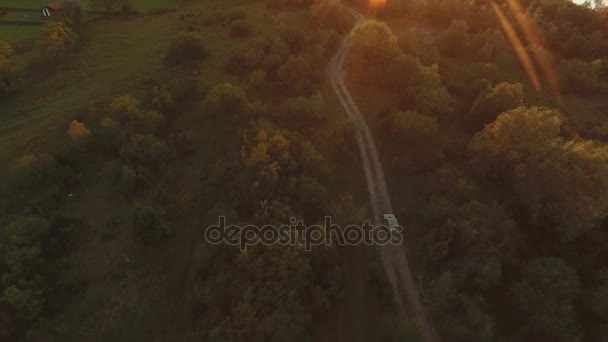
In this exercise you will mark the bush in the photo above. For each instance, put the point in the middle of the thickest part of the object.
(187, 47)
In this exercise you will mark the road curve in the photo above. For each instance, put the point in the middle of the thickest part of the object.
(394, 258)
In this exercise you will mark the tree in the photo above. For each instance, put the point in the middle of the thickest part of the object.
(306, 108)
(187, 47)
(458, 315)
(345, 211)
(411, 128)
(72, 14)
(108, 5)
(77, 131)
(563, 184)
(455, 39)
(402, 72)
(59, 38)
(227, 99)
(494, 101)
(373, 47)
(108, 133)
(124, 105)
(146, 149)
(8, 75)
(543, 301)
(6, 49)
(427, 95)
(149, 224)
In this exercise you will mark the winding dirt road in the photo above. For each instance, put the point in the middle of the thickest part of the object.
(394, 258)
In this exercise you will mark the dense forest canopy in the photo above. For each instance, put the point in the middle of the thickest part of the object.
(126, 128)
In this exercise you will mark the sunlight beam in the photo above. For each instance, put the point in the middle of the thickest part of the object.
(517, 45)
(535, 36)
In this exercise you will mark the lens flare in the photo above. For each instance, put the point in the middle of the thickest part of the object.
(521, 52)
(539, 44)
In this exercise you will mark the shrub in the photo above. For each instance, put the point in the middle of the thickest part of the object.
(187, 47)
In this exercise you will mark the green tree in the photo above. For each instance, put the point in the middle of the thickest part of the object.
(146, 149)
(543, 301)
(454, 41)
(226, 99)
(373, 47)
(428, 94)
(59, 38)
(6, 50)
(412, 128)
(149, 224)
(72, 14)
(494, 101)
(108, 133)
(562, 183)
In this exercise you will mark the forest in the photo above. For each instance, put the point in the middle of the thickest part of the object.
(127, 127)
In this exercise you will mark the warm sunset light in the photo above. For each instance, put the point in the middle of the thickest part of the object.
(518, 46)
(304, 170)
(376, 4)
(539, 45)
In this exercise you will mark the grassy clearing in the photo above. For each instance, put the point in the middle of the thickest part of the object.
(19, 33)
(108, 64)
(15, 33)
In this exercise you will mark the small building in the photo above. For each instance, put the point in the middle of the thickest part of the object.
(48, 10)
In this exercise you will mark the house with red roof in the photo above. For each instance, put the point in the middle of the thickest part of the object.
(48, 10)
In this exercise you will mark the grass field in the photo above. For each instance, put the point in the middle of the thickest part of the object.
(15, 33)
(138, 4)
(19, 33)
(104, 66)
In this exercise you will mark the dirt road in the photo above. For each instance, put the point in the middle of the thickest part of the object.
(394, 258)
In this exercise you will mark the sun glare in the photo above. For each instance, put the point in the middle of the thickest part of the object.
(521, 52)
(376, 4)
